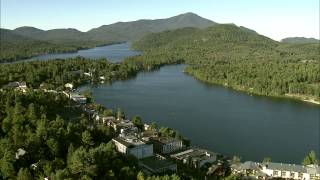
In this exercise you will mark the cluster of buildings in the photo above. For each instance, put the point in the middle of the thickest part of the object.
(271, 170)
(156, 154)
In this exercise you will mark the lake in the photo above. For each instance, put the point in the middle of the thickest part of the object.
(114, 53)
(217, 118)
(212, 117)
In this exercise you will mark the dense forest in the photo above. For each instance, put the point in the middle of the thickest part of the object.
(55, 74)
(14, 47)
(40, 136)
(240, 58)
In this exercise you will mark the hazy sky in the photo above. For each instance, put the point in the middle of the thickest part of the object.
(273, 18)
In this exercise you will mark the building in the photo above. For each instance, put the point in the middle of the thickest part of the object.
(78, 98)
(166, 145)
(117, 125)
(291, 171)
(248, 168)
(20, 152)
(196, 157)
(133, 146)
(69, 85)
(277, 170)
(157, 164)
(22, 86)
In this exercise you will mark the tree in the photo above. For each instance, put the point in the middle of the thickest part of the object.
(136, 120)
(267, 160)
(24, 174)
(87, 139)
(154, 126)
(311, 158)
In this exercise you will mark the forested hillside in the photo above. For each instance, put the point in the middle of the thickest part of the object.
(30, 41)
(15, 46)
(240, 58)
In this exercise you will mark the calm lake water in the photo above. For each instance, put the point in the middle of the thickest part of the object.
(114, 53)
(213, 117)
(217, 118)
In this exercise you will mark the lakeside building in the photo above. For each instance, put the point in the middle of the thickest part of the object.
(133, 146)
(276, 170)
(196, 157)
(157, 164)
(78, 98)
(166, 145)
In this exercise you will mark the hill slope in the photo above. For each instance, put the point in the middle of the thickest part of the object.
(239, 58)
(129, 31)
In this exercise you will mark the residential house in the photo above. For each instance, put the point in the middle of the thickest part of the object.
(166, 145)
(78, 98)
(133, 146)
(291, 171)
(196, 157)
(69, 86)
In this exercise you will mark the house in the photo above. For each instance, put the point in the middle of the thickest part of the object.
(166, 145)
(20, 152)
(196, 157)
(276, 170)
(147, 135)
(22, 86)
(69, 85)
(291, 171)
(157, 164)
(78, 98)
(104, 120)
(133, 146)
(247, 168)
(117, 125)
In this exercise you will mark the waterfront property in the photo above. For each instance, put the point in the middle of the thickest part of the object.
(78, 98)
(276, 170)
(157, 164)
(196, 157)
(133, 146)
(166, 145)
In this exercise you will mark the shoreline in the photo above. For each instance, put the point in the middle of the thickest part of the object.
(28, 59)
(297, 97)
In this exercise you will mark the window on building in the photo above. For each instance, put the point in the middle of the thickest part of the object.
(292, 174)
(283, 173)
(275, 173)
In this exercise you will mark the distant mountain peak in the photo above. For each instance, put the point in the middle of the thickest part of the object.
(300, 40)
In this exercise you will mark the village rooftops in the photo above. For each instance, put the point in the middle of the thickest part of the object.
(285, 167)
(194, 153)
(165, 140)
(155, 164)
(129, 141)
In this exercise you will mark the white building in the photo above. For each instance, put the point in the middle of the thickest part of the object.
(69, 85)
(78, 98)
(291, 171)
(134, 146)
(277, 170)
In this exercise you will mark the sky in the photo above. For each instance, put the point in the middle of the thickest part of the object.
(276, 19)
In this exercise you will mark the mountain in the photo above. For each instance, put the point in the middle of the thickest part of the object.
(51, 35)
(120, 31)
(298, 40)
(130, 31)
